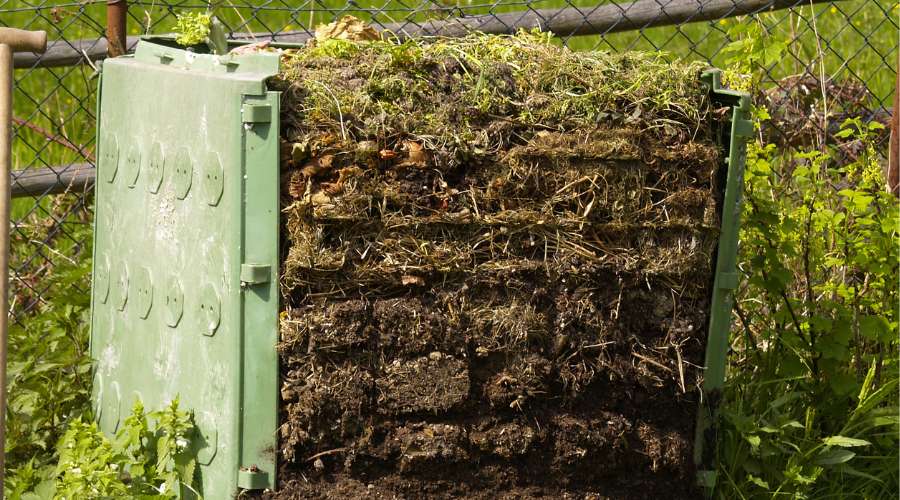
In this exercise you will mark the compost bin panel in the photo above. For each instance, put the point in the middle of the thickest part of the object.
(169, 303)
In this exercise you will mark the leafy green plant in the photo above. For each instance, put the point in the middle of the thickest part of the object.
(811, 405)
(48, 367)
(192, 28)
(195, 28)
(151, 456)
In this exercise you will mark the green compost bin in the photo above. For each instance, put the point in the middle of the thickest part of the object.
(185, 298)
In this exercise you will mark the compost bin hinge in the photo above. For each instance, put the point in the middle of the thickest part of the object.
(728, 281)
(255, 274)
(251, 478)
(256, 113)
(164, 57)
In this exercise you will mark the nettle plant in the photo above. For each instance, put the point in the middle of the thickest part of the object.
(151, 456)
(811, 405)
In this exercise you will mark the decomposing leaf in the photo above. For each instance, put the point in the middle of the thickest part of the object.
(347, 28)
(251, 48)
(409, 279)
(299, 152)
(318, 165)
(416, 156)
(296, 185)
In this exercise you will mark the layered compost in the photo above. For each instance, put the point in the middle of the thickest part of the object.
(497, 269)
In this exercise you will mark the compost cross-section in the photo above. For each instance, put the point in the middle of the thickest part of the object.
(497, 269)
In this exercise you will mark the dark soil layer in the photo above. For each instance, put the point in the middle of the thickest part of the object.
(497, 271)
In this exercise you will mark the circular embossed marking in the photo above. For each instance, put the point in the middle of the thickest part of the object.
(132, 167)
(143, 288)
(109, 406)
(109, 157)
(101, 280)
(155, 168)
(174, 302)
(213, 179)
(208, 443)
(210, 311)
(121, 288)
(184, 171)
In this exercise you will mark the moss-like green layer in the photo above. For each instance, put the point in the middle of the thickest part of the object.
(477, 95)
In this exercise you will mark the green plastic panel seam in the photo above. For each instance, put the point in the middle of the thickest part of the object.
(726, 255)
(99, 154)
(259, 292)
(726, 278)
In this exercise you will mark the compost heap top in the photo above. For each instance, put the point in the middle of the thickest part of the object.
(497, 268)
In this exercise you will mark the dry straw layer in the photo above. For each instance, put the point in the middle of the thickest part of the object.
(498, 252)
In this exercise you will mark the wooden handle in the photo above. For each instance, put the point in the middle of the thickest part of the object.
(24, 41)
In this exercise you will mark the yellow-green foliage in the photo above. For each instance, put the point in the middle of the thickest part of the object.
(151, 456)
(811, 407)
(192, 28)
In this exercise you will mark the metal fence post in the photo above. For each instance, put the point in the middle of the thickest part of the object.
(116, 18)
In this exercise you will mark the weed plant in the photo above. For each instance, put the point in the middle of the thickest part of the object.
(811, 405)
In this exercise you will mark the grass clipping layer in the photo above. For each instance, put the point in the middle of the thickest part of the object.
(498, 251)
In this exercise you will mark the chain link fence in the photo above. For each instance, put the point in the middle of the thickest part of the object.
(846, 50)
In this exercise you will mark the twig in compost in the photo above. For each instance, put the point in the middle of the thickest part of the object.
(655, 363)
(324, 453)
(601, 344)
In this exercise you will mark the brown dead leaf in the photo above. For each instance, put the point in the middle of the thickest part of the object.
(409, 279)
(297, 185)
(348, 172)
(416, 156)
(332, 188)
(347, 28)
(387, 154)
(337, 187)
(318, 165)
